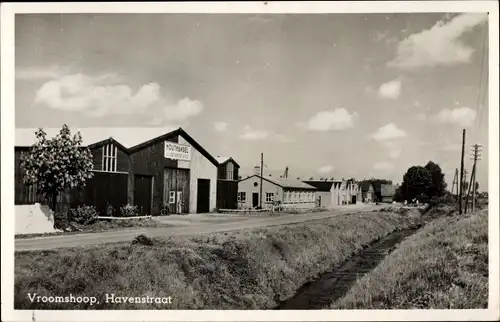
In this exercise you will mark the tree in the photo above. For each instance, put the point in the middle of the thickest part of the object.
(57, 164)
(416, 182)
(438, 186)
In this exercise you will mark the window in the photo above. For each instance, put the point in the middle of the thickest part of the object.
(242, 196)
(287, 196)
(171, 197)
(269, 197)
(109, 152)
(230, 171)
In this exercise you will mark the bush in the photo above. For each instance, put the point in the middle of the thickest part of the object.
(84, 215)
(110, 210)
(129, 211)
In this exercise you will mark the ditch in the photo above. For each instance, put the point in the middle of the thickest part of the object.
(332, 285)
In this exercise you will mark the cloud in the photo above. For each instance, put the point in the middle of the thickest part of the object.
(383, 166)
(388, 132)
(338, 119)
(103, 96)
(390, 90)
(220, 126)
(253, 134)
(463, 116)
(325, 169)
(39, 73)
(440, 45)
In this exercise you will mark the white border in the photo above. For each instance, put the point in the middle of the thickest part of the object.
(7, 142)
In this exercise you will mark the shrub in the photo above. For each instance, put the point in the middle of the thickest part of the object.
(165, 211)
(129, 211)
(84, 215)
(110, 210)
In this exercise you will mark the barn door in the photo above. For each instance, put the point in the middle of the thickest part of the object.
(142, 194)
(203, 197)
(176, 190)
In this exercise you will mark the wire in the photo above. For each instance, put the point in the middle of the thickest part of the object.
(480, 106)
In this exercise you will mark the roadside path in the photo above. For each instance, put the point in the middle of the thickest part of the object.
(252, 221)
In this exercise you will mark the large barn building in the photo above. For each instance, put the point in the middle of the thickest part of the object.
(171, 171)
(289, 193)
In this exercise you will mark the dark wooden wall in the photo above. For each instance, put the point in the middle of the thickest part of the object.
(104, 187)
(222, 171)
(227, 194)
(122, 162)
(150, 160)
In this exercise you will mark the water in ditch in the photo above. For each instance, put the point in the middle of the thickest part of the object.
(320, 293)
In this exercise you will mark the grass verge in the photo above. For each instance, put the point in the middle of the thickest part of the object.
(444, 266)
(248, 269)
(100, 226)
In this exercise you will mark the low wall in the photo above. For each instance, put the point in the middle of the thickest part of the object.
(34, 219)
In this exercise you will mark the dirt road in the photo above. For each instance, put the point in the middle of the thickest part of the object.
(226, 224)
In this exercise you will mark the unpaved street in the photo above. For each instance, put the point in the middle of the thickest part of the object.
(189, 225)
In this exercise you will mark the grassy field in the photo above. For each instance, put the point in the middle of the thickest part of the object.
(444, 266)
(251, 269)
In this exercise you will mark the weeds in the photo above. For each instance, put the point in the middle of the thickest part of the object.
(248, 269)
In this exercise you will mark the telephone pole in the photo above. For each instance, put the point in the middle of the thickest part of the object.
(461, 174)
(261, 174)
(476, 155)
(454, 186)
(469, 187)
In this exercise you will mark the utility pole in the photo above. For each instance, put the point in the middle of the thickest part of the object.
(455, 183)
(476, 150)
(261, 174)
(461, 174)
(469, 188)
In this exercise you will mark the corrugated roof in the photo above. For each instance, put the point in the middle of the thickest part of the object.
(128, 137)
(285, 183)
(387, 190)
(321, 185)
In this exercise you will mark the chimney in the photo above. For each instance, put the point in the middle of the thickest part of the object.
(256, 170)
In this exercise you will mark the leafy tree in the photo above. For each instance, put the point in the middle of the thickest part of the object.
(438, 186)
(416, 182)
(57, 164)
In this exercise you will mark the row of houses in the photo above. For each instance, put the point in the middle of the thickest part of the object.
(295, 193)
(173, 172)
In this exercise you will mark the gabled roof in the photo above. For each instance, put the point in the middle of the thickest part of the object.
(127, 139)
(387, 190)
(108, 141)
(224, 160)
(178, 132)
(284, 183)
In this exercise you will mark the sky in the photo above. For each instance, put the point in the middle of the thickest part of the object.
(328, 95)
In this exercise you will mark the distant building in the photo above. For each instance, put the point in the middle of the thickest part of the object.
(387, 192)
(332, 193)
(367, 191)
(227, 183)
(287, 192)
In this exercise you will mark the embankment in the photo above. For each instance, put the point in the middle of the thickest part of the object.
(443, 266)
(249, 269)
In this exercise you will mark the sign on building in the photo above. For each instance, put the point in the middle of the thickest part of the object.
(176, 151)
